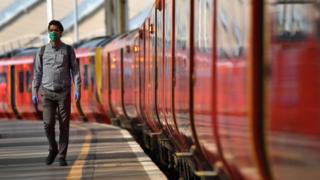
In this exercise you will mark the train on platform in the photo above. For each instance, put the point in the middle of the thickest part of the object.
(211, 89)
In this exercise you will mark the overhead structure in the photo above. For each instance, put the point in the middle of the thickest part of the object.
(49, 10)
(116, 16)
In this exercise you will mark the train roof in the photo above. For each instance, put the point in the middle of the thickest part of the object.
(26, 51)
(122, 40)
(94, 42)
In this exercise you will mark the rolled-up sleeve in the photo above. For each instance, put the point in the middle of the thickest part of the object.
(75, 71)
(37, 74)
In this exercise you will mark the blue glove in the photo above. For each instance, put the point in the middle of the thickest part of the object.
(77, 96)
(35, 100)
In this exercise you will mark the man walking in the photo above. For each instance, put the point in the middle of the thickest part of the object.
(54, 65)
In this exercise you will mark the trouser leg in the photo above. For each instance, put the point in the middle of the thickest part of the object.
(64, 110)
(49, 109)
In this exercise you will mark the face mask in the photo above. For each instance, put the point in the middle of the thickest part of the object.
(53, 36)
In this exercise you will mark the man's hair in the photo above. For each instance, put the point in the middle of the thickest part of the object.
(56, 23)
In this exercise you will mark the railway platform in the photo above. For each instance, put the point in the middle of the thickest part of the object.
(96, 151)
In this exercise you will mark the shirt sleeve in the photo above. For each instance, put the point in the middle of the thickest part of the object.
(75, 71)
(37, 74)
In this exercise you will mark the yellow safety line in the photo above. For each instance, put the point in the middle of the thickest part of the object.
(77, 167)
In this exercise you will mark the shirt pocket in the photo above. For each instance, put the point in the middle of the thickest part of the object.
(61, 60)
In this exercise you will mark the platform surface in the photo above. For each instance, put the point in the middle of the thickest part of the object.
(96, 151)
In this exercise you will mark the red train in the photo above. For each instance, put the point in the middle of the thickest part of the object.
(213, 89)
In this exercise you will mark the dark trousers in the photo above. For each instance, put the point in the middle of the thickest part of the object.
(57, 104)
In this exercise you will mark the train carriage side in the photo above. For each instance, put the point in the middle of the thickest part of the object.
(150, 73)
(168, 77)
(91, 108)
(113, 54)
(129, 74)
(292, 88)
(136, 77)
(237, 89)
(203, 84)
(6, 110)
(22, 68)
(106, 100)
(183, 101)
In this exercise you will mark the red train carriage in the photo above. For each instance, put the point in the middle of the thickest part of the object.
(182, 99)
(23, 70)
(114, 58)
(17, 77)
(225, 88)
(293, 88)
(203, 83)
(118, 89)
(7, 100)
(91, 108)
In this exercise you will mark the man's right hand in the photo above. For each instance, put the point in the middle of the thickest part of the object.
(35, 100)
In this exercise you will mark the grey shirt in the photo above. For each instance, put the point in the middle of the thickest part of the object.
(55, 72)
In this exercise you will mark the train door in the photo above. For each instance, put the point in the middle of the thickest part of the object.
(137, 78)
(203, 82)
(77, 112)
(237, 98)
(86, 90)
(129, 78)
(32, 113)
(13, 91)
(182, 72)
(292, 88)
(23, 92)
(142, 74)
(115, 82)
(4, 89)
(108, 99)
(160, 66)
(169, 70)
(150, 69)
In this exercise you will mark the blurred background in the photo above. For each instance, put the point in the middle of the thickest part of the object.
(23, 23)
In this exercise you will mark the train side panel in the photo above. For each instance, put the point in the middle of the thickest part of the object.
(236, 130)
(6, 108)
(129, 78)
(90, 106)
(150, 74)
(23, 77)
(204, 100)
(293, 89)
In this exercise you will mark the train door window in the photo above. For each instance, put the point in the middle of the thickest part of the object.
(86, 78)
(318, 22)
(203, 29)
(3, 78)
(292, 21)
(21, 81)
(92, 72)
(28, 79)
(231, 29)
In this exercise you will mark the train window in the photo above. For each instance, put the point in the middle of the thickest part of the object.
(224, 19)
(317, 19)
(292, 21)
(3, 78)
(93, 75)
(28, 79)
(21, 81)
(182, 28)
(86, 78)
(203, 28)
